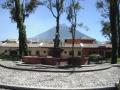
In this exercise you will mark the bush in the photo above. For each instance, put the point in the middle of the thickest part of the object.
(95, 58)
(9, 57)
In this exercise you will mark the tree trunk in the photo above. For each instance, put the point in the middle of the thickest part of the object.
(23, 48)
(73, 41)
(118, 27)
(113, 8)
(57, 35)
(57, 40)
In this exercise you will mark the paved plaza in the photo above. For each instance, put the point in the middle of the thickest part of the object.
(60, 80)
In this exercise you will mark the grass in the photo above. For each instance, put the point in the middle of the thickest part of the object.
(118, 60)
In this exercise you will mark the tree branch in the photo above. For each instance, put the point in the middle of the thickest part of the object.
(50, 8)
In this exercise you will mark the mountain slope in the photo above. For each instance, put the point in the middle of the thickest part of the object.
(64, 34)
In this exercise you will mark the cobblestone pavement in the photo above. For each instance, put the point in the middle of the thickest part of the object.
(102, 78)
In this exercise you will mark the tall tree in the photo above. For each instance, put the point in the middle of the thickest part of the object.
(23, 48)
(113, 24)
(118, 25)
(19, 9)
(106, 28)
(109, 10)
(72, 12)
(56, 7)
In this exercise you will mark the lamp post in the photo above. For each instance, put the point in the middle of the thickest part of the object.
(81, 45)
(40, 45)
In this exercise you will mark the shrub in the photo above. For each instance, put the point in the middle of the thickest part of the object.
(9, 57)
(94, 58)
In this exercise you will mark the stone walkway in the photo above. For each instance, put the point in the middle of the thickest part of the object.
(61, 80)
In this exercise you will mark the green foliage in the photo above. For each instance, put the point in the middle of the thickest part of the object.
(3, 56)
(9, 4)
(110, 12)
(27, 7)
(103, 6)
(94, 57)
(118, 60)
(19, 9)
(72, 10)
(9, 57)
(109, 60)
(56, 7)
(31, 6)
(106, 32)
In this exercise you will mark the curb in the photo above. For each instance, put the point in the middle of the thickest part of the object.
(33, 88)
(115, 65)
(42, 70)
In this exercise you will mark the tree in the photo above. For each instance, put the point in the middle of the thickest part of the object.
(56, 7)
(19, 9)
(118, 25)
(72, 12)
(106, 30)
(109, 10)
(113, 25)
(103, 7)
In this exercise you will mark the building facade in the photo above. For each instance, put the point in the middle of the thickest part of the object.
(82, 48)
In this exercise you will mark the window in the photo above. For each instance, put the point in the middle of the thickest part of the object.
(79, 53)
(44, 51)
(37, 53)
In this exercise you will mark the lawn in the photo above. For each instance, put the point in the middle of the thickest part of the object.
(109, 60)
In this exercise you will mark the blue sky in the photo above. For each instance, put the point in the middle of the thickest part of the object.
(42, 20)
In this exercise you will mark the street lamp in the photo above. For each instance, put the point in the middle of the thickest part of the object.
(81, 45)
(40, 45)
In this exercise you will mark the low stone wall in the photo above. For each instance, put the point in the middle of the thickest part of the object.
(39, 60)
(53, 60)
(31, 59)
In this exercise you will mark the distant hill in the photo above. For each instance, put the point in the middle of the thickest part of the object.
(64, 34)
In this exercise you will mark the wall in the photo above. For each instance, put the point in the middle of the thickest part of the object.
(66, 53)
(42, 51)
(102, 51)
(67, 50)
(6, 50)
(78, 41)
